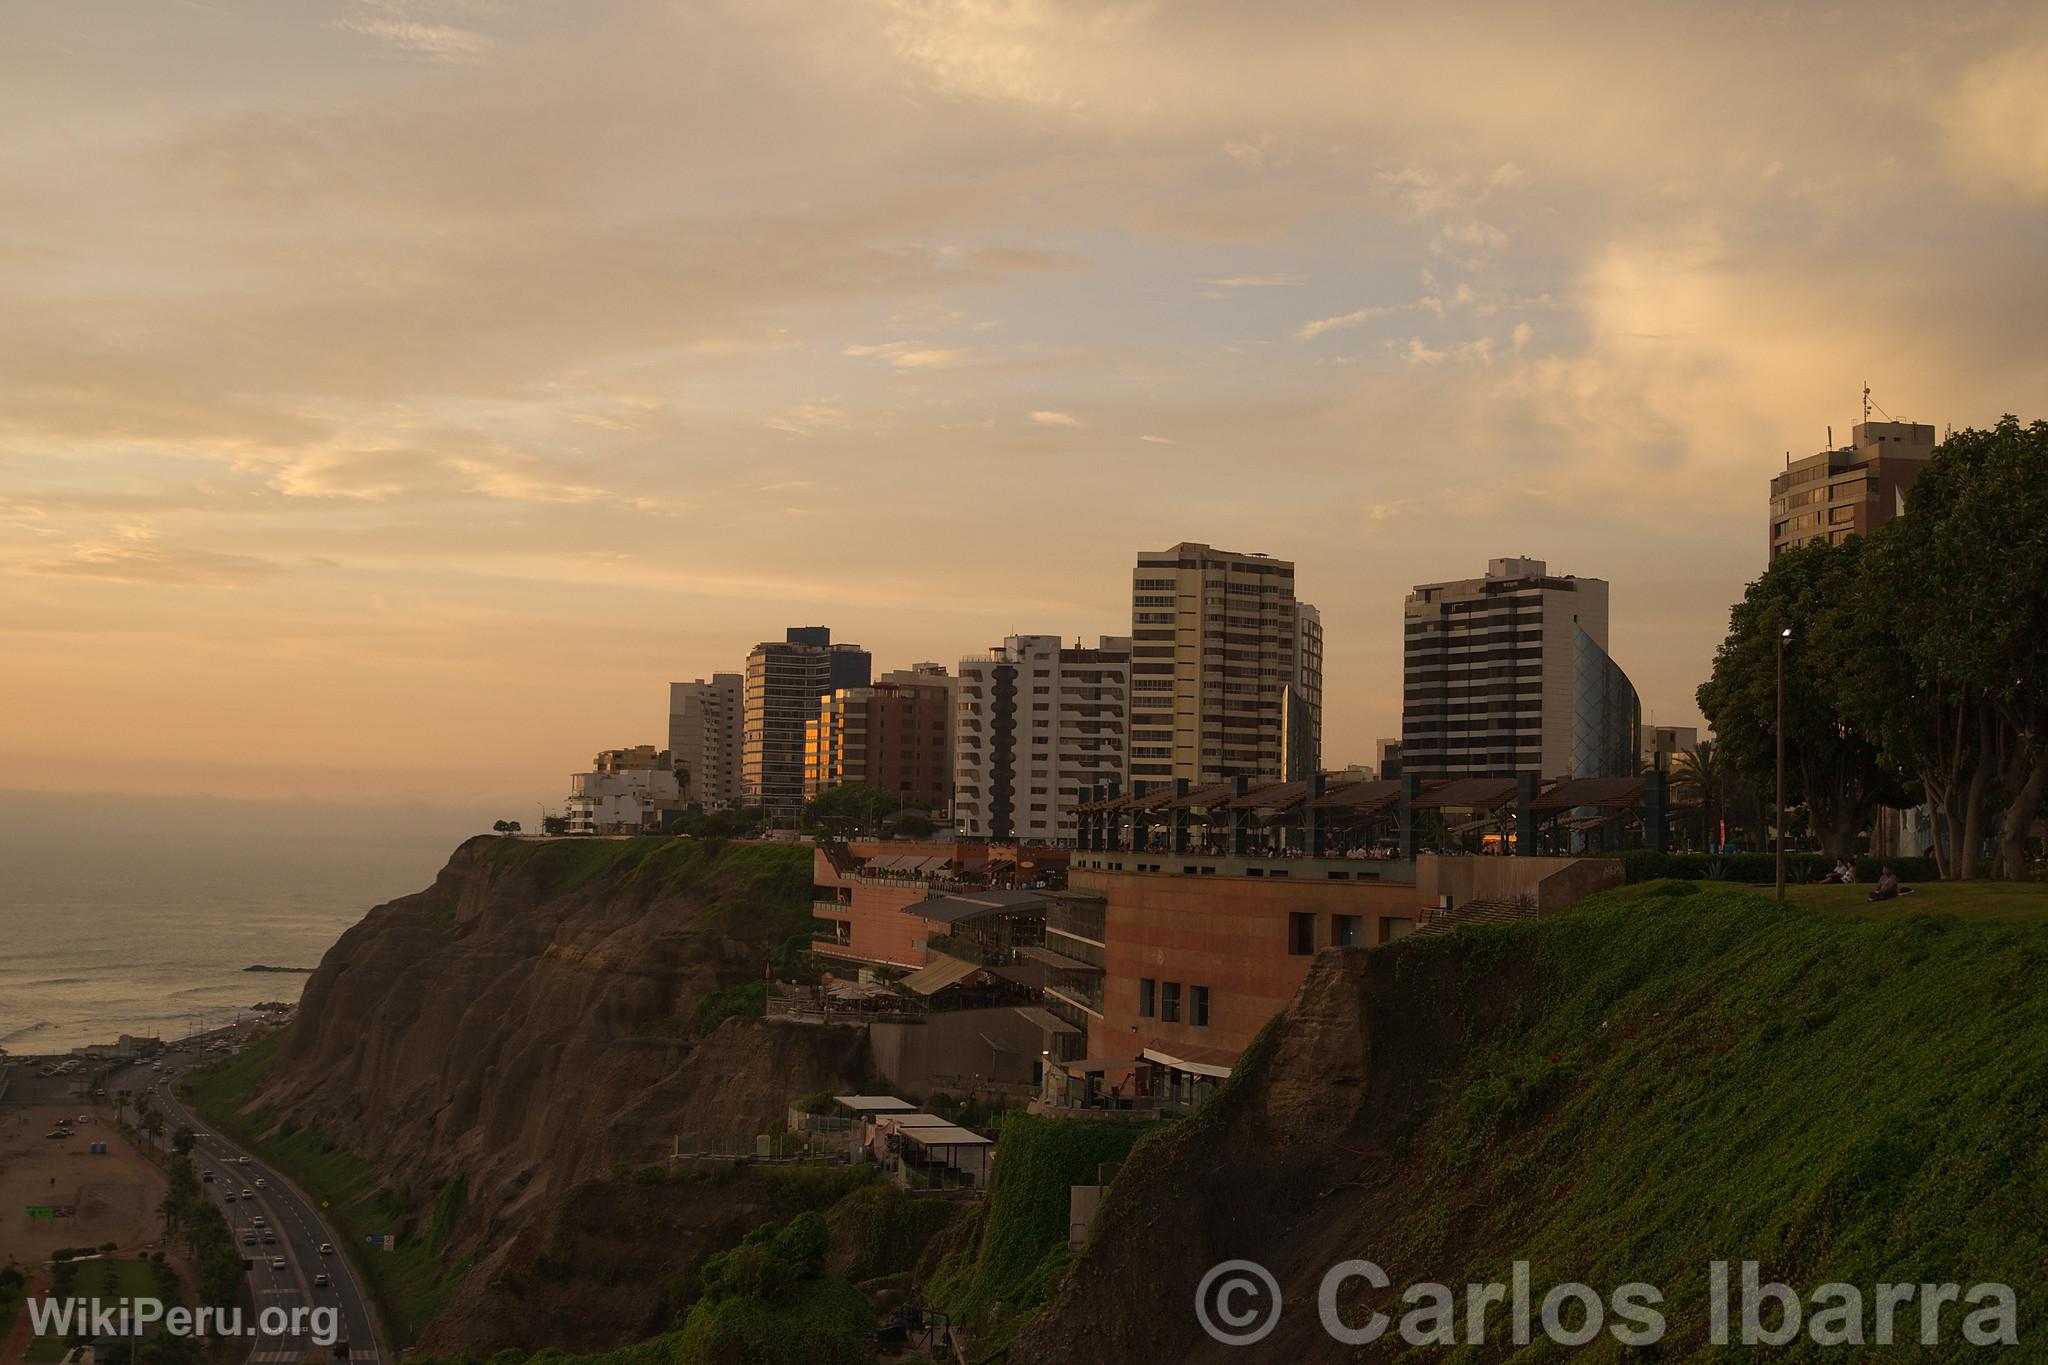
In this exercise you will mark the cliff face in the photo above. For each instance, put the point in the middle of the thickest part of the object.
(527, 1025)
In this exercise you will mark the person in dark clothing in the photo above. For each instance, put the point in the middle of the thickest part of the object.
(1888, 887)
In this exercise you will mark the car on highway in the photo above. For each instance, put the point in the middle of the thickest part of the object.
(270, 1239)
(206, 1177)
(58, 1133)
(249, 1240)
(257, 1222)
(242, 1160)
(327, 1248)
(277, 1263)
(259, 1182)
(320, 1280)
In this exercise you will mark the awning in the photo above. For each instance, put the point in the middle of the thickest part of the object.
(1191, 1057)
(1046, 1020)
(873, 1104)
(936, 976)
(949, 1135)
(968, 905)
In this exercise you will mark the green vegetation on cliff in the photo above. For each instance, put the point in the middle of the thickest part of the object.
(1667, 1075)
(1014, 1245)
(1710, 1075)
(409, 1284)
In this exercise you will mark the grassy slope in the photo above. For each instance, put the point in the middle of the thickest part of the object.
(1995, 902)
(409, 1284)
(747, 888)
(1844, 1096)
(134, 1280)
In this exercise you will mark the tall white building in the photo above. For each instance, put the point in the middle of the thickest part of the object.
(704, 736)
(621, 800)
(1214, 658)
(1509, 674)
(1040, 723)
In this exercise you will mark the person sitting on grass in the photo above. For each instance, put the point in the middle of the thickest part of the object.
(1842, 874)
(1888, 888)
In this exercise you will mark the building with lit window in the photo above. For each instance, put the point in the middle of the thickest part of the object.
(786, 680)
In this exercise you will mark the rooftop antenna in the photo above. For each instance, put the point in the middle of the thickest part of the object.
(1866, 400)
(1831, 436)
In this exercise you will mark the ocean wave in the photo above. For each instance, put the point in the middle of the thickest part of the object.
(58, 981)
(25, 1031)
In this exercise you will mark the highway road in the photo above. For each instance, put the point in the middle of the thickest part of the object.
(290, 1216)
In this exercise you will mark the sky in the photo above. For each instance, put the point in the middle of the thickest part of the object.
(395, 395)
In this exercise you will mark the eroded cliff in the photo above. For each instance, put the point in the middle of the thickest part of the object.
(536, 1024)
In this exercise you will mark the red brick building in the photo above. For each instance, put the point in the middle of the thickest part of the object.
(896, 735)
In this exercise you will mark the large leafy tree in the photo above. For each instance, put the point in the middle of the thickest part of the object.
(1958, 688)
(1834, 764)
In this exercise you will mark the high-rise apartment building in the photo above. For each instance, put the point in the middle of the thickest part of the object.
(785, 681)
(1509, 674)
(704, 736)
(1214, 655)
(896, 734)
(1040, 723)
(1837, 493)
(1303, 730)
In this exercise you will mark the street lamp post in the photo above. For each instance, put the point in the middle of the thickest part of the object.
(1784, 639)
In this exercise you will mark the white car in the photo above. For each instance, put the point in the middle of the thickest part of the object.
(247, 1195)
(259, 1182)
(242, 1160)
(327, 1248)
(277, 1263)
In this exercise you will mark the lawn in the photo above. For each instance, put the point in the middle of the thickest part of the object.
(132, 1280)
(1986, 902)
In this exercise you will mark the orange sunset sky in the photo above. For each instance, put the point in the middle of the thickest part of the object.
(395, 395)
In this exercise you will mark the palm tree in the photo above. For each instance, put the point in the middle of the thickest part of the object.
(1699, 774)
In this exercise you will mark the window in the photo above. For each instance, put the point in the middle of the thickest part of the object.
(1169, 1002)
(1347, 931)
(1145, 988)
(1301, 933)
(1198, 1006)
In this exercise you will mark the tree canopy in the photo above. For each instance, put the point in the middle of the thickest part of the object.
(1918, 666)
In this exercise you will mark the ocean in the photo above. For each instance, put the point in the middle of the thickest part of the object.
(138, 915)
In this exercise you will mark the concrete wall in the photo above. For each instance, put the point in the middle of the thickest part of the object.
(1552, 883)
(955, 1043)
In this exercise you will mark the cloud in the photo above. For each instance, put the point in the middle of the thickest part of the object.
(913, 355)
(808, 418)
(1256, 281)
(137, 557)
(1471, 244)
(1341, 322)
(1996, 122)
(392, 28)
(1055, 419)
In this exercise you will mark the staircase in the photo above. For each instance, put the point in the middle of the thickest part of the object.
(1503, 911)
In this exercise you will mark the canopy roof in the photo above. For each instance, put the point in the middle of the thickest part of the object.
(967, 905)
(936, 976)
(1604, 793)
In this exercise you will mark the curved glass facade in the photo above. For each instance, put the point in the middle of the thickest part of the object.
(1606, 713)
